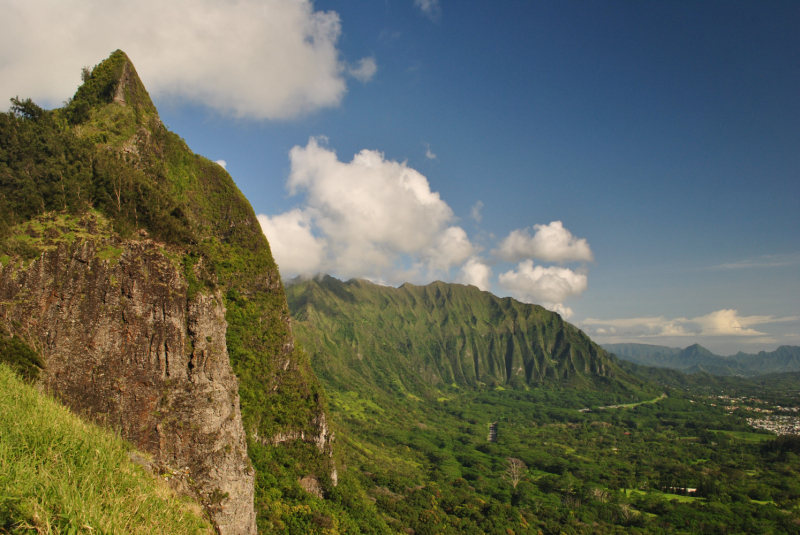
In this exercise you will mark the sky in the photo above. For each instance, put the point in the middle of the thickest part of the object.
(634, 166)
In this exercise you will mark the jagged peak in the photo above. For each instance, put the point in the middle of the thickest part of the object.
(113, 80)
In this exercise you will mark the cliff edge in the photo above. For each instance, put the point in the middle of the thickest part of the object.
(139, 273)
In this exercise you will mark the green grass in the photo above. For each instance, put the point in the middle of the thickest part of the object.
(749, 437)
(679, 497)
(109, 253)
(666, 495)
(61, 475)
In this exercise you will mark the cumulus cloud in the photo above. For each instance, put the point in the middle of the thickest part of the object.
(726, 322)
(364, 70)
(293, 244)
(268, 59)
(548, 286)
(430, 8)
(476, 272)
(451, 247)
(367, 216)
(222, 163)
(551, 243)
(564, 311)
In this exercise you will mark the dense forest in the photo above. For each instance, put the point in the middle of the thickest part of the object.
(430, 466)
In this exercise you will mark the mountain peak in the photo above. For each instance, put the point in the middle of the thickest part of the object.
(697, 350)
(113, 80)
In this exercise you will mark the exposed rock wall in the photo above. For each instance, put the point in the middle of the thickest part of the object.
(126, 346)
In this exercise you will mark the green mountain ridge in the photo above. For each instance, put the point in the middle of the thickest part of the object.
(419, 339)
(696, 358)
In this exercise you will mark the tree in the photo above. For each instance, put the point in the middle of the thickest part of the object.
(515, 469)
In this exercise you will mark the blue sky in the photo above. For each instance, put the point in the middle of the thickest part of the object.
(633, 165)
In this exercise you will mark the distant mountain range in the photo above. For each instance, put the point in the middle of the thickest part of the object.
(696, 358)
(417, 339)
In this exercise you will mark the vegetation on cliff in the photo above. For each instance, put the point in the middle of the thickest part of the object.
(107, 151)
(59, 474)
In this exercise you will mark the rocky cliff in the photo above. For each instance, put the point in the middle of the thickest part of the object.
(139, 272)
(125, 345)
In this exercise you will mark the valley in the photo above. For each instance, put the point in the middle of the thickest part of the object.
(600, 455)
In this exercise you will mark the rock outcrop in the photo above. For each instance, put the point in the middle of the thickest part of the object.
(140, 272)
(125, 344)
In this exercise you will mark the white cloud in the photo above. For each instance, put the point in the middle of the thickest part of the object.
(476, 211)
(548, 286)
(428, 152)
(248, 58)
(292, 243)
(364, 70)
(565, 312)
(551, 243)
(726, 322)
(430, 8)
(475, 272)
(452, 247)
(369, 216)
(222, 163)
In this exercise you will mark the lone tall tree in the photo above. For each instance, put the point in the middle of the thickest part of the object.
(515, 469)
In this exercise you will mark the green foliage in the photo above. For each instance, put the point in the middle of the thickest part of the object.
(61, 475)
(285, 507)
(409, 453)
(102, 83)
(19, 356)
(45, 166)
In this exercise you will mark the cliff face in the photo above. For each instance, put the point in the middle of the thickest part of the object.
(124, 344)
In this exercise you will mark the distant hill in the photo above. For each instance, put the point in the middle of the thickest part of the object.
(696, 358)
(418, 338)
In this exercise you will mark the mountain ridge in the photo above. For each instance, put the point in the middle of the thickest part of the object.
(420, 338)
(696, 358)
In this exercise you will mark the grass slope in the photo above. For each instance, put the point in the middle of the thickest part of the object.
(61, 475)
